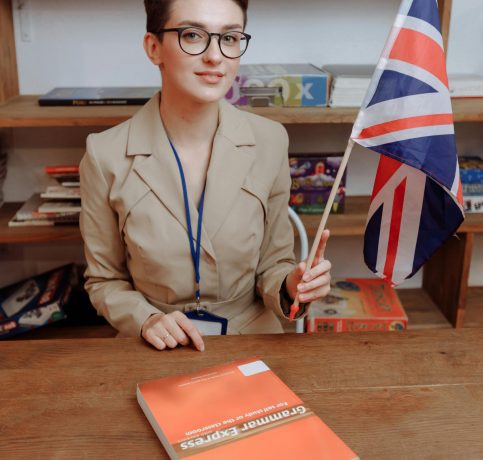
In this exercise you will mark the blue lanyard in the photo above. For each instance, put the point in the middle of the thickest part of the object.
(195, 253)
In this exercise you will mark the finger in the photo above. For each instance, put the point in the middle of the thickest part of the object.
(154, 340)
(322, 267)
(166, 337)
(316, 294)
(316, 285)
(176, 332)
(320, 280)
(320, 253)
(192, 331)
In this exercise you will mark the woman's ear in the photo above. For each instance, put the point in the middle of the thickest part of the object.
(152, 47)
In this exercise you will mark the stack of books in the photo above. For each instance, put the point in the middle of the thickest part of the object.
(471, 173)
(58, 204)
(349, 83)
(461, 85)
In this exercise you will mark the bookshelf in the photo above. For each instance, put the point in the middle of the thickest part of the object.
(24, 112)
(445, 294)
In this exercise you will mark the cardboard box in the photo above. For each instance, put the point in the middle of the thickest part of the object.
(312, 181)
(358, 304)
(282, 85)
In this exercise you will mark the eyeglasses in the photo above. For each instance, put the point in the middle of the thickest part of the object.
(194, 41)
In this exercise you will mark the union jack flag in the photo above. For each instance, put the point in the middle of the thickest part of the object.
(406, 116)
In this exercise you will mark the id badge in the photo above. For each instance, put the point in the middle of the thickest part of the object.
(208, 323)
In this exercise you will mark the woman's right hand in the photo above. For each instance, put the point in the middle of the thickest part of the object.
(170, 330)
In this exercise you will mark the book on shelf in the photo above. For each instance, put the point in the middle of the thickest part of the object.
(357, 304)
(62, 169)
(36, 301)
(473, 203)
(237, 411)
(471, 169)
(66, 206)
(465, 85)
(348, 83)
(312, 179)
(59, 192)
(279, 85)
(29, 215)
(83, 96)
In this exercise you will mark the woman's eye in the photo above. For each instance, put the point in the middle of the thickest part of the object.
(230, 39)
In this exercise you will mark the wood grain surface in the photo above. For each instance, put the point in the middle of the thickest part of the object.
(413, 395)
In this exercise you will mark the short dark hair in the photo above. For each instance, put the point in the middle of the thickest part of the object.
(159, 11)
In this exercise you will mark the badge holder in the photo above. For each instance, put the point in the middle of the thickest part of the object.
(208, 323)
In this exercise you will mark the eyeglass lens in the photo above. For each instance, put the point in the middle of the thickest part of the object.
(195, 41)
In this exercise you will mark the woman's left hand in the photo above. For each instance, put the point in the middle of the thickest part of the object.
(316, 283)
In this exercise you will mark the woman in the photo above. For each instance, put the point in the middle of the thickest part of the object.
(184, 213)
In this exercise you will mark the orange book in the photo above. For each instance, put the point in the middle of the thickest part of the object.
(357, 304)
(236, 411)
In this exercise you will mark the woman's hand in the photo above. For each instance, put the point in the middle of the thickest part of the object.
(316, 283)
(171, 330)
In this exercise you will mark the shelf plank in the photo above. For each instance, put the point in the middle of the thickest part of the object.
(24, 112)
(351, 223)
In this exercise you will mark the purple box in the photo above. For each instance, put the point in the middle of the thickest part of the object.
(312, 180)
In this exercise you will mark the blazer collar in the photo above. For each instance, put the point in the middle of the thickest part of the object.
(146, 127)
(231, 159)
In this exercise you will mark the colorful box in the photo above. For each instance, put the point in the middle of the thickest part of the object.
(312, 181)
(357, 304)
(283, 85)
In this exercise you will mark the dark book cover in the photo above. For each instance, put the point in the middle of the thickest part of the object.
(35, 302)
(82, 96)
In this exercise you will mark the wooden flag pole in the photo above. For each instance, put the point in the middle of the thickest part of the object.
(328, 206)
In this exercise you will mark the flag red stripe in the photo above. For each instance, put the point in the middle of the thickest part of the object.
(392, 245)
(420, 50)
(406, 123)
(385, 170)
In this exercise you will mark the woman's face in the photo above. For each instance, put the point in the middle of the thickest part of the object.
(206, 77)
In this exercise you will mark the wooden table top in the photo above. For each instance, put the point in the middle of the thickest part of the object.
(411, 395)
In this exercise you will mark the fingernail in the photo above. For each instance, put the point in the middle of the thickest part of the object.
(202, 348)
(300, 287)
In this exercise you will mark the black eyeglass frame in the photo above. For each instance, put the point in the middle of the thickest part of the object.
(180, 30)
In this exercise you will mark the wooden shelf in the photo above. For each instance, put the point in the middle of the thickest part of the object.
(351, 223)
(24, 112)
(10, 235)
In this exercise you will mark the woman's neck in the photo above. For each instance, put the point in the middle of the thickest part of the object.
(188, 124)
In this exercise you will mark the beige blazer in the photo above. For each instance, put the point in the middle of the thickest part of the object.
(134, 226)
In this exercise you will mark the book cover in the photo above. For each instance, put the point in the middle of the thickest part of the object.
(312, 180)
(471, 169)
(473, 203)
(237, 411)
(35, 302)
(80, 96)
(357, 304)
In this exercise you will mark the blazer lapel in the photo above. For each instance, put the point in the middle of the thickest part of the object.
(232, 157)
(158, 167)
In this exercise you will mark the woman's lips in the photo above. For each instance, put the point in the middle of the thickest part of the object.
(210, 77)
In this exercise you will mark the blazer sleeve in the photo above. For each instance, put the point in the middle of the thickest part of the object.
(108, 281)
(277, 258)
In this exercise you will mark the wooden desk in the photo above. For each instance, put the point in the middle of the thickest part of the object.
(413, 395)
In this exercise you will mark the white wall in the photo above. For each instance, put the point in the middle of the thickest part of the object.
(92, 43)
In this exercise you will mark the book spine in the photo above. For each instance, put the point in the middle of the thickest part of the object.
(87, 102)
(62, 169)
(355, 325)
(473, 203)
